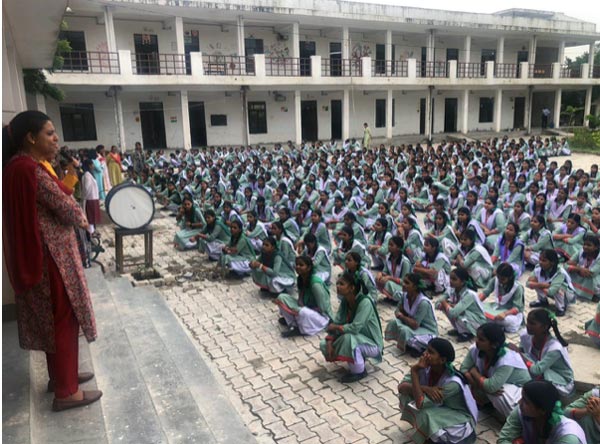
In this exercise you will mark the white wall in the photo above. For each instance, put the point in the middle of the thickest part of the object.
(13, 89)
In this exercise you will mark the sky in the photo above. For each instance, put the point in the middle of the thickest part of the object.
(581, 9)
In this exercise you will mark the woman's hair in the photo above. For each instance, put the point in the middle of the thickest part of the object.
(356, 258)
(234, 239)
(544, 317)
(14, 133)
(351, 279)
(346, 229)
(544, 396)
(416, 279)
(503, 238)
(446, 350)
(210, 226)
(470, 235)
(306, 261)
(575, 217)
(495, 334)
(465, 211)
(505, 270)
(436, 247)
(463, 274)
(541, 219)
(594, 240)
(552, 256)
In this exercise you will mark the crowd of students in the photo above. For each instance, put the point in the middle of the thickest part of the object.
(491, 210)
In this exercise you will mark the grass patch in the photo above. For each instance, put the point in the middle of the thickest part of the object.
(585, 140)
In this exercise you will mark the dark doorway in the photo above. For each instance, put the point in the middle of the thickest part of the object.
(487, 55)
(192, 44)
(336, 119)
(77, 61)
(197, 124)
(307, 49)
(450, 115)
(519, 116)
(380, 59)
(451, 54)
(335, 59)
(522, 56)
(423, 62)
(153, 124)
(146, 54)
(252, 46)
(309, 120)
(422, 112)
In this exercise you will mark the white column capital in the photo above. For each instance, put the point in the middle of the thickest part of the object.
(467, 49)
(366, 67)
(179, 35)
(109, 27)
(260, 70)
(500, 50)
(125, 62)
(412, 68)
(452, 68)
(315, 66)
(197, 64)
(345, 42)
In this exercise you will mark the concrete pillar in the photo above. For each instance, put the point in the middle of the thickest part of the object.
(591, 50)
(467, 49)
(345, 43)
(109, 27)
(500, 50)
(388, 115)
(452, 69)
(260, 69)
(185, 120)
(40, 102)
(498, 111)
(197, 65)
(586, 71)
(561, 52)
(366, 67)
(489, 70)
(532, 49)
(412, 68)
(298, 116)
(524, 70)
(295, 40)
(556, 68)
(241, 47)
(428, 113)
(346, 115)
(557, 104)
(388, 53)
(528, 103)
(465, 112)
(431, 45)
(315, 67)
(179, 35)
(244, 103)
(588, 105)
(125, 63)
(118, 105)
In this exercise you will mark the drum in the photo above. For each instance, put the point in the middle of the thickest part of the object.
(130, 206)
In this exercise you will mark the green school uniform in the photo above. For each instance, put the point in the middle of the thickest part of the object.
(590, 427)
(315, 296)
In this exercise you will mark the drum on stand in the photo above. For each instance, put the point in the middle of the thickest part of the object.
(130, 206)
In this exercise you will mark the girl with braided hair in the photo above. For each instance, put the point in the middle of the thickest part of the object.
(586, 411)
(353, 263)
(539, 419)
(494, 372)
(271, 272)
(549, 280)
(509, 304)
(395, 267)
(433, 266)
(435, 399)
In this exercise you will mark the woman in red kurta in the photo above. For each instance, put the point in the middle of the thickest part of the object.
(42, 258)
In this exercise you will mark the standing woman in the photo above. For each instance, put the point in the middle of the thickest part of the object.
(113, 161)
(42, 257)
(97, 173)
(90, 196)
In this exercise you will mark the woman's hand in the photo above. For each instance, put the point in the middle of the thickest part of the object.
(436, 394)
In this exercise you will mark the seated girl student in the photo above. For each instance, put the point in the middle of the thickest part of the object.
(191, 221)
(539, 419)
(593, 222)
(519, 216)
(492, 222)
(213, 237)
(494, 372)
(396, 266)
(568, 237)
(271, 272)
(355, 333)
(368, 212)
(256, 232)
(335, 219)
(291, 227)
(318, 228)
(285, 246)
(229, 214)
(592, 327)
(474, 257)
(584, 269)
(549, 280)
(303, 218)
(509, 248)
(462, 306)
(508, 307)
(414, 324)
(413, 239)
(238, 253)
(311, 311)
(536, 239)
(455, 201)
(353, 264)
(464, 222)
(347, 244)
(586, 412)
(546, 357)
(318, 255)
(433, 267)
(558, 209)
(264, 211)
(378, 243)
(435, 400)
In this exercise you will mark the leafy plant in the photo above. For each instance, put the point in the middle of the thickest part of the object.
(585, 138)
(571, 111)
(594, 120)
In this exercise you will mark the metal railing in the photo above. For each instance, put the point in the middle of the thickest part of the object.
(506, 70)
(567, 72)
(157, 63)
(389, 68)
(287, 66)
(540, 71)
(91, 62)
(432, 69)
(341, 67)
(471, 70)
(221, 65)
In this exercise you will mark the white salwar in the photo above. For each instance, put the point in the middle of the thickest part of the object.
(309, 321)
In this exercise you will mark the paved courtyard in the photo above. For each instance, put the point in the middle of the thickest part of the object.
(284, 389)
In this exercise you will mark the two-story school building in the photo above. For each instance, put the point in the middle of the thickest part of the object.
(182, 74)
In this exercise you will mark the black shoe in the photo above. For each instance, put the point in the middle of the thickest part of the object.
(452, 332)
(464, 337)
(560, 313)
(413, 352)
(291, 333)
(282, 321)
(353, 377)
(538, 304)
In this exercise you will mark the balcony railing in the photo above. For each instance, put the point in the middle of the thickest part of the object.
(507, 70)
(221, 65)
(91, 62)
(287, 66)
(567, 72)
(341, 67)
(595, 72)
(389, 68)
(157, 63)
(472, 70)
(432, 69)
(540, 71)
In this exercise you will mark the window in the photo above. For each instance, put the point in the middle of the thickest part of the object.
(257, 117)
(78, 122)
(218, 120)
(380, 59)
(76, 60)
(380, 113)
(486, 109)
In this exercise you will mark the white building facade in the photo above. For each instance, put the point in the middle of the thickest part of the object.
(185, 74)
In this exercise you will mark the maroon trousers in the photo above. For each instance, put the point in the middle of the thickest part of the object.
(63, 365)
